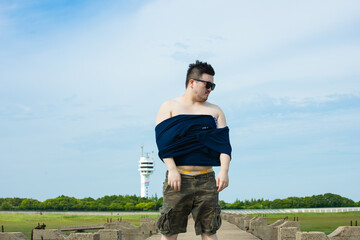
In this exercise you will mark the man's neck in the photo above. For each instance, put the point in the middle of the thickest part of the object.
(190, 99)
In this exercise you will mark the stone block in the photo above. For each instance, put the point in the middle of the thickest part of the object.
(237, 220)
(231, 218)
(12, 236)
(110, 234)
(118, 225)
(48, 234)
(256, 223)
(224, 215)
(282, 224)
(287, 233)
(131, 232)
(267, 233)
(289, 224)
(345, 233)
(311, 236)
(148, 229)
(247, 224)
(83, 236)
(241, 222)
(278, 222)
(149, 220)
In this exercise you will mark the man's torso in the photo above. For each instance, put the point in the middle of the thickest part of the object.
(178, 107)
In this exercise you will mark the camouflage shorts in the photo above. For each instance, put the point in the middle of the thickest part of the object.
(198, 196)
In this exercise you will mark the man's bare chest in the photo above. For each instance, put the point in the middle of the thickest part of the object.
(203, 110)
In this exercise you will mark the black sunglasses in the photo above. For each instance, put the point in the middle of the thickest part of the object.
(208, 84)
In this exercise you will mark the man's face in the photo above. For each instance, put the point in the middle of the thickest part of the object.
(200, 90)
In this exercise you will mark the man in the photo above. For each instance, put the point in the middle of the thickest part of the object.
(192, 137)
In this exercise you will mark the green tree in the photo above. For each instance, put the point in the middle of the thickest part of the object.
(129, 206)
(31, 204)
(6, 206)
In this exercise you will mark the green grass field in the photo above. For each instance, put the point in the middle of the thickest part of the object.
(26, 222)
(319, 222)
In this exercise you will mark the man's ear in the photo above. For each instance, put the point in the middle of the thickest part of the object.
(191, 83)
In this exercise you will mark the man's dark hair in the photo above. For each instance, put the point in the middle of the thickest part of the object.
(197, 69)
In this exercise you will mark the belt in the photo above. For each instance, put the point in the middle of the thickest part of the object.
(189, 172)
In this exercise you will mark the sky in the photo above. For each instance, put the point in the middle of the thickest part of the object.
(81, 83)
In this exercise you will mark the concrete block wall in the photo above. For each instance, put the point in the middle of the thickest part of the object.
(311, 236)
(237, 220)
(278, 222)
(12, 236)
(279, 230)
(345, 233)
(256, 223)
(113, 231)
(131, 232)
(83, 236)
(247, 223)
(110, 234)
(287, 233)
(231, 219)
(268, 232)
(289, 224)
(287, 230)
(48, 234)
(275, 231)
(148, 229)
(244, 221)
(150, 224)
(118, 225)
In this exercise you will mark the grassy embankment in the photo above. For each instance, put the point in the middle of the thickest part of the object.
(318, 222)
(26, 222)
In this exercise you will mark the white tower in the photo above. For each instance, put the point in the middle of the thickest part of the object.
(146, 167)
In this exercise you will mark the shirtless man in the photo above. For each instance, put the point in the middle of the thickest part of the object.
(199, 84)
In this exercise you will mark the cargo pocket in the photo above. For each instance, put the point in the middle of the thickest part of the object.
(163, 222)
(216, 221)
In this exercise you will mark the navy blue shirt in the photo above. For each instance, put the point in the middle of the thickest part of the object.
(192, 140)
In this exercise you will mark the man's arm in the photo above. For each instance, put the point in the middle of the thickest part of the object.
(174, 178)
(222, 179)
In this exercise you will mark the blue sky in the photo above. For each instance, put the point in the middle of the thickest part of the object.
(81, 83)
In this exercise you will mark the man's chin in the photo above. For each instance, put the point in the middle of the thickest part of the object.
(205, 98)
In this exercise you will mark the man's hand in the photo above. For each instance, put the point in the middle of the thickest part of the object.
(222, 180)
(174, 180)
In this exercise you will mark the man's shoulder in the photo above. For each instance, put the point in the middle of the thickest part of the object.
(171, 102)
(166, 109)
(214, 108)
(168, 105)
(212, 105)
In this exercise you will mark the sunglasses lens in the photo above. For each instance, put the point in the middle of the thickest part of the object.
(210, 85)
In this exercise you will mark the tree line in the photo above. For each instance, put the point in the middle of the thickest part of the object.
(136, 203)
(316, 201)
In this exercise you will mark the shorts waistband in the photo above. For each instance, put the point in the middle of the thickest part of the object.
(194, 173)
